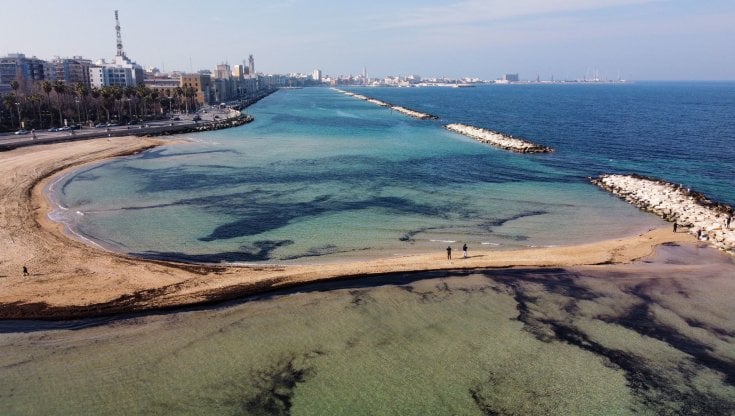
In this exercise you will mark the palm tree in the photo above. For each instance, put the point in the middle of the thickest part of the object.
(46, 86)
(60, 89)
(106, 93)
(129, 92)
(178, 93)
(95, 93)
(9, 101)
(83, 93)
(35, 99)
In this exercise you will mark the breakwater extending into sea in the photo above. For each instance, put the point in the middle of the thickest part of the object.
(497, 139)
(494, 138)
(403, 110)
(688, 210)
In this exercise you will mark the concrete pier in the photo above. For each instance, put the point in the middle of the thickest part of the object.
(403, 110)
(497, 139)
(691, 211)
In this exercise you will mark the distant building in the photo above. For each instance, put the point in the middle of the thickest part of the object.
(511, 77)
(201, 83)
(251, 66)
(239, 71)
(120, 72)
(317, 75)
(71, 71)
(18, 67)
(223, 72)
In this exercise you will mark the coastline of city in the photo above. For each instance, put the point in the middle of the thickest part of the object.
(455, 207)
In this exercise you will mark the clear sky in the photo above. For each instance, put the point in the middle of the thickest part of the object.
(640, 39)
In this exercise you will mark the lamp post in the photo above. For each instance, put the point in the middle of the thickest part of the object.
(20, 123)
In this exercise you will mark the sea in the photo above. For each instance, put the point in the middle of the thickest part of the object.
(323, 177)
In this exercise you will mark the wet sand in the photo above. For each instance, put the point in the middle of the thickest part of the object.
(70, 279)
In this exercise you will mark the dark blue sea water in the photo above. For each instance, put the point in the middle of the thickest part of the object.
(682, 132)
(320, 175)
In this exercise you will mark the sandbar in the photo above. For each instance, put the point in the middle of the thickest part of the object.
(70, 279)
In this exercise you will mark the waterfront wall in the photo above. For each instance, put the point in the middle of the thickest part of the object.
(691, 211)
(403, 110)
(497, 139)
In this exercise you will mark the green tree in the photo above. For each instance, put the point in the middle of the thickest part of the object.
(60, 90)
(47, 88)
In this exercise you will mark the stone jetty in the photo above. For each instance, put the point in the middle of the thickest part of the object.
(403, 110)
(497, 139)
(691, 211)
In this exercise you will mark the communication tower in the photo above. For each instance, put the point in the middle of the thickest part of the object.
(120, 51)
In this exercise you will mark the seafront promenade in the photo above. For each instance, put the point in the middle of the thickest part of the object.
(403, 110)
(690, 211)
(497, 139)
(206, 119)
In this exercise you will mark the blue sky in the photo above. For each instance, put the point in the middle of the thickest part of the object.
(640, 39)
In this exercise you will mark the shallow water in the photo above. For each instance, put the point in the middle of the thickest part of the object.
(321, 176)
(650, 338)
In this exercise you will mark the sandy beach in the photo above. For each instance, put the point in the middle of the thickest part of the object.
(70, 279)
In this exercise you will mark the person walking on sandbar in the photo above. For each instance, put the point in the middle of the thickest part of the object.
(25, 271)
(449, 252)
(464, 250)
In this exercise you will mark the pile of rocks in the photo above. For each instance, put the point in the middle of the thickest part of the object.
(402, 110)
(414, 114)
(708, 220)
(497, 139)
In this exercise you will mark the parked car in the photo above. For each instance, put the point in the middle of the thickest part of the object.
(76, 126)
(176, 119)
(53, 129)
(100, 125)
(65, 128)
(21, 131)
(196, 118)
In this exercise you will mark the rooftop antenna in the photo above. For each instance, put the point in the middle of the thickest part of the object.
(120, 51)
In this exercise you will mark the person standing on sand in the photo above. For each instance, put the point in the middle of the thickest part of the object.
(464, 250)
(449, 252)
(728, 220)
(675, 225)
(25, 271)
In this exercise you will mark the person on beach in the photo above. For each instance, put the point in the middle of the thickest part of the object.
(727, 221)
(25, 271)
(675, 226)
(449, 252)
(464, 250)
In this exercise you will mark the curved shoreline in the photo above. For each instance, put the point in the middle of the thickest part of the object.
(69, 279)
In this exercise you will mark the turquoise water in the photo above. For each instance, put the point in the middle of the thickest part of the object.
(320, 176)
(646, 339)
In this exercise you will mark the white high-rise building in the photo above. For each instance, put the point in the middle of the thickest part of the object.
(121, 71)
(317, 75)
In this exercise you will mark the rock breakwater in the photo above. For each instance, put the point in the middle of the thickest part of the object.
(403, 110)
(497, 139)
(690, 211)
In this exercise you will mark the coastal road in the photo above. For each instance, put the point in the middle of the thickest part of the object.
(206, 114)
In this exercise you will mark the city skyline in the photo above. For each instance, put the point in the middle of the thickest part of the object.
(570, 39)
